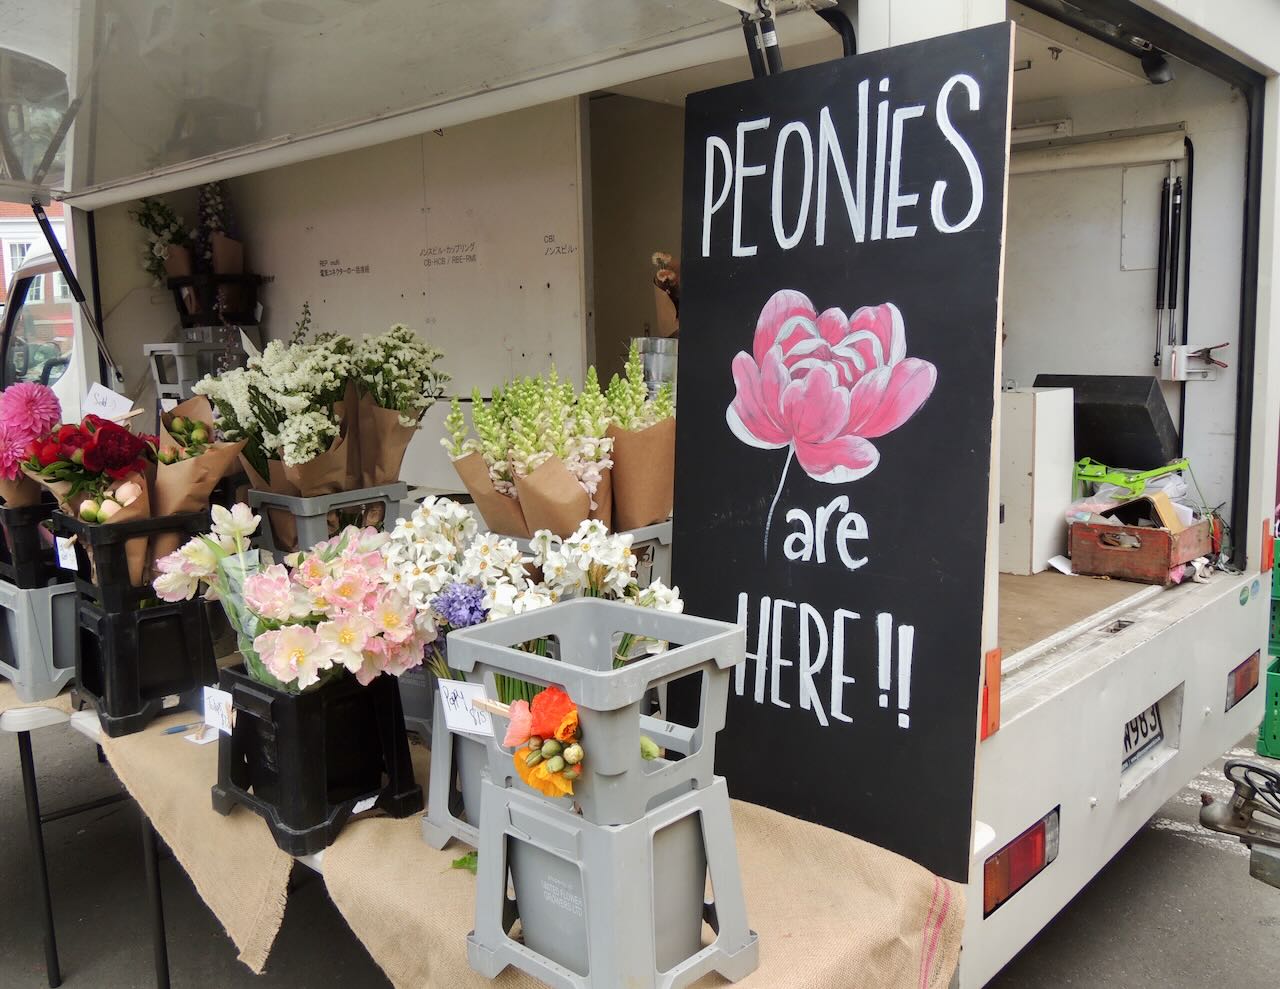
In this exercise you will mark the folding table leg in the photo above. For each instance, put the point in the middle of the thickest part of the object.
(36, 835)
(151, 868)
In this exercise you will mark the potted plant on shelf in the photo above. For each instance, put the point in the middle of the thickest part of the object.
(168, 248)
(318, 731)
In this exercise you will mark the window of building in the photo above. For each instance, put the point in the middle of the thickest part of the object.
(61, 290)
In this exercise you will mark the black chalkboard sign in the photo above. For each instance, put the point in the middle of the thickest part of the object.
(841, 273)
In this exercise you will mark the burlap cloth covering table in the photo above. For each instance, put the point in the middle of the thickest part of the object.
(233, 861)
(832, 911)
(9, 700)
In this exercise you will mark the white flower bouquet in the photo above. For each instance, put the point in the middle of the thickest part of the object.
(328, 415)
(399, 382)
(643, 431)
(446, 569)
(540, 457)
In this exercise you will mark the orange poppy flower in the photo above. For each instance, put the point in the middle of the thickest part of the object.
(567, 730)
(549, 709)
(540, 778)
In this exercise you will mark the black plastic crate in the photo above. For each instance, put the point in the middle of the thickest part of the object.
(135, 665)
(112, 590)
(305, 761)
(27, 557)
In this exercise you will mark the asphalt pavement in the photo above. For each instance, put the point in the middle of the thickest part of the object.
(1175, 908)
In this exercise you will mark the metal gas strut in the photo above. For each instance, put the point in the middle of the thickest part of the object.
(1252, 815)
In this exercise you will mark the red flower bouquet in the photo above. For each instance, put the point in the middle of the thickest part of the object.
(74, 460)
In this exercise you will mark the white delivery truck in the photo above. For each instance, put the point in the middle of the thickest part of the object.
(497, 175)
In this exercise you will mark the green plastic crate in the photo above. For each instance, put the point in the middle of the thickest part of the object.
(1269, 733)
(1273, 632)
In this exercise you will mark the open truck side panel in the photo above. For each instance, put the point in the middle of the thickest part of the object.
(480, 232)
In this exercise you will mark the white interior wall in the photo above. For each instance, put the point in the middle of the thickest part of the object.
(1070, 306)
(472, 236)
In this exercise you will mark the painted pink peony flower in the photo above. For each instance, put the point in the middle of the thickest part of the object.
(29, 409)
(825, 385)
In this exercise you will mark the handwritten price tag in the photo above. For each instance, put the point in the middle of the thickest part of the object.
(106, 403)
(66, 553)
(459, 715)
(217, 710)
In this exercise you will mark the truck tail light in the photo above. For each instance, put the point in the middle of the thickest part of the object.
(1242, 680)
(1020, 861)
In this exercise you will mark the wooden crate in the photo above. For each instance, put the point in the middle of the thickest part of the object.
(1158, 550)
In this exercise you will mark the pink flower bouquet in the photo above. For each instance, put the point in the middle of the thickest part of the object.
(27, 411)
(326, 612)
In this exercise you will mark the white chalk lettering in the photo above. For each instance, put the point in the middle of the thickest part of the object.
(742, 170)
(785, 155)
(787, 241)
(715, 146)
(964, 151)
(808, 542)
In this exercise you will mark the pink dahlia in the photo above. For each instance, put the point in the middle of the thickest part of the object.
(29, 410)
(12, 450)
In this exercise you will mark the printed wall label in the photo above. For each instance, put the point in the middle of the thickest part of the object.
(843, 230)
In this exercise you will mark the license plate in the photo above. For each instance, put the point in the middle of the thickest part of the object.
(1141, 735)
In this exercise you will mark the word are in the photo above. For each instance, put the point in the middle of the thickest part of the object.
(810, 539)
(821, 153)
(796, 636)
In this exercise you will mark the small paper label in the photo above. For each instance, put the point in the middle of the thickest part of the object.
(366, 804)
(459, 715)
(66, 554)
(102, 401)
(170, 701)
(218, 712)
(202, 735)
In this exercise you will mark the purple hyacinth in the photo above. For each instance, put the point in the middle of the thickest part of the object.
(461, 605)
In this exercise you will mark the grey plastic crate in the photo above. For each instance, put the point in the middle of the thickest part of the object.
(311, 515)
(633, 848)
(616, 785)
(38, 635)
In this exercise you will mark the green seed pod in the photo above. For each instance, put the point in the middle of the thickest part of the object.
(573, 754)
(532, 759)
(535, 742)
(572, 772)
(551, 747)
(556, 763)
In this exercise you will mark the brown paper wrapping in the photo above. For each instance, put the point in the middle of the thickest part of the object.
(383, 441)
(135, 549)
(644, 466)
(186, 486)
(551, 498)
(177, 264)
(199, 409)
(667, 323)
(500, 513)
(329, 473)
(228, 259)
(284, 530)
(60, 490)
(20, 492)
